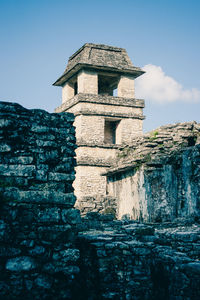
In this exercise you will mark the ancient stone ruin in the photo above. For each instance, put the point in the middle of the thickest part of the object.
(102, 121)
(145, 242)
(157, 178)
(119, 169)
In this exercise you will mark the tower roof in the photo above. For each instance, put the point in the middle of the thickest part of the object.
(99, 57)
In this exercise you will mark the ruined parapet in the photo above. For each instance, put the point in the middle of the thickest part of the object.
(37, 217)
(103, 120)
(157, 177)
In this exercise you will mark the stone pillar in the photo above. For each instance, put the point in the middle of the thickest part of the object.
(127, 130)
(126, 87)
(89, 129)
(67, 92)
(88, 82)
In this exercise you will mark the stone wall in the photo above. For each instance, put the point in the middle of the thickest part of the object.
(90, 186)
(94, 114)
(38, 224)
(67, 92)
(48, 252)
(87, 82)
(133, 261)
(126, 86)
(157, 177)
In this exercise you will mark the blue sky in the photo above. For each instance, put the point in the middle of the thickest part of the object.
(37, 37)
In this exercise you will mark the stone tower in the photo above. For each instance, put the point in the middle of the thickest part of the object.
(98, 88)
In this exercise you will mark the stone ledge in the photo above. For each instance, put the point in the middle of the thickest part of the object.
(97, 145)
(38, 197)
(94, 163)
(111, 115)
(100, 99)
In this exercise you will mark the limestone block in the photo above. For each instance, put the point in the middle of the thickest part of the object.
(96, 155)
(61, 177)
(37, 251)
(89, 181)
(17, 170)
(104, 109)
(49, 215)
(43, 281)
(5, 147)
(39, 197)
(68, 255)
(71, 216)
(127, 129)
(6, 251)
(126, 87)
(88, 82)
(67, 92)
(89, 129)
(23, 263)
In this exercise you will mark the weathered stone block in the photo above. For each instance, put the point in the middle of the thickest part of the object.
(4, 123)
(69, 255)
(71, 216)
(48, 157)
(60, 177)
(21, 263)
(56, 233)
(45, 196)
(5, 147)
(87, 82)
(44, 281)
(37, 251)
(17, 170)
(24, 160)
(39, 129)
(49, 215)
(9, 251)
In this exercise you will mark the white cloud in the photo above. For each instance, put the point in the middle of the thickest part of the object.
(156, 86)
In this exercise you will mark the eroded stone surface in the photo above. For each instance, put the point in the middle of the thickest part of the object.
(156, 178)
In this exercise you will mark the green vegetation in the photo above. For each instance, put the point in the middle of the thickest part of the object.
(153, 135)
(110, 211)
(147, 158)
(123, 153)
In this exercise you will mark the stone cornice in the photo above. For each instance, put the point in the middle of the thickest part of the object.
(93, 163)
(92, 145)
(110, 114)
(134, 71)
(98, 57)
(100, 99)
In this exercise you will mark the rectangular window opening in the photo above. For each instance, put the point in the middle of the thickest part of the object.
(75, 88)
(110, 132)
(107, 84)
